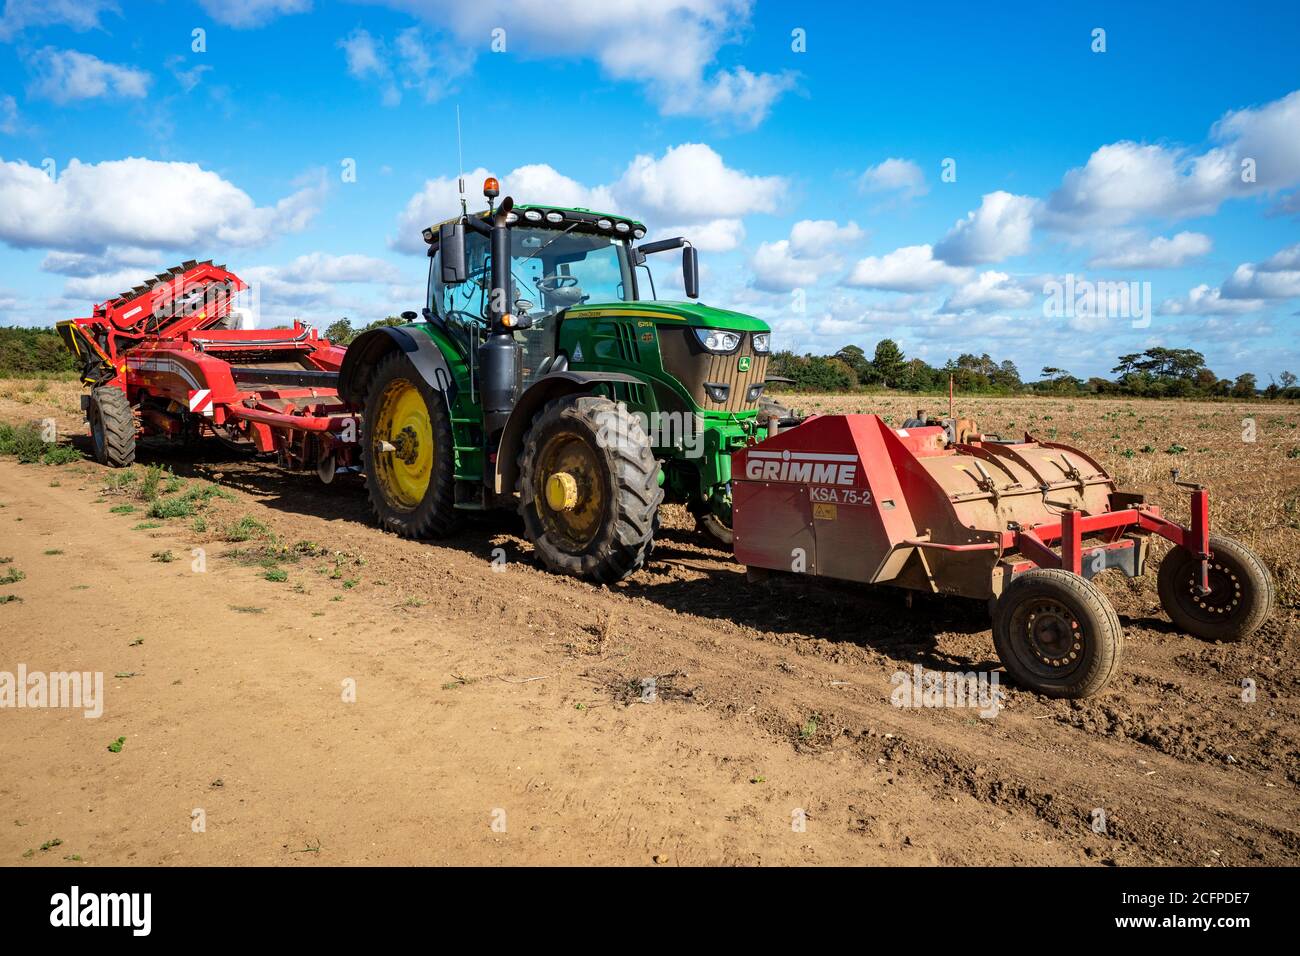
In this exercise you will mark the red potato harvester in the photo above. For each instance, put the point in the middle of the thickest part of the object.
(1024, 524)
(167, 358)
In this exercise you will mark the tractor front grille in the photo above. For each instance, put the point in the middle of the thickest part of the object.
(695, 367)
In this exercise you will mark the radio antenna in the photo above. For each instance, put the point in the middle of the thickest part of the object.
(460, 158)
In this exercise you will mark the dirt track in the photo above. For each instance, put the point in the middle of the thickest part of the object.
(779, 701)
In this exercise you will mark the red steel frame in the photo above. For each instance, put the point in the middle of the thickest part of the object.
(180, 353)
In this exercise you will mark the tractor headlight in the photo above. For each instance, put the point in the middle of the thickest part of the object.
(717, 391)
(762, 342)
(718, 341)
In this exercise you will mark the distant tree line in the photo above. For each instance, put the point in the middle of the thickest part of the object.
(1155, 373)
(33, 351)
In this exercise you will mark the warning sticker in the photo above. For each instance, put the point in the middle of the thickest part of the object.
(824, 512)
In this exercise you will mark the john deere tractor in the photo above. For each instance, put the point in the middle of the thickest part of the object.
(546, 375)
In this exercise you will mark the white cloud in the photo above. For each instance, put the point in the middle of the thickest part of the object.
(440, 199)
(670, 46)
(538, 182)
(85, 264)
(330, 286)
(1205, 300)
(1277, 277)
(909, 269)
(1157, 253)
(893, 175)
(990, 291)
(80, 15)
(716, 235)
(1270, 135)
(188, 79)
(737, 93)
(1000, 227)
(141, 203)
(408, 63)
(63, 76)
(689, 185)
(8, 115)
(102, 285)
(323, 267)
(810, 253)
(247, 14)
(1124, 181)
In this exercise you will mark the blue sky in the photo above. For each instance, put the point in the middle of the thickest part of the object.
(802, 147)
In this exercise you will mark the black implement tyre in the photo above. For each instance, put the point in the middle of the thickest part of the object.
(411, 486)
(716, 529)
(1057, 634)
(1241, 591)
(112, 426)
(589, 488)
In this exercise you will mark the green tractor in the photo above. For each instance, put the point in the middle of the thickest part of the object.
(546, 376)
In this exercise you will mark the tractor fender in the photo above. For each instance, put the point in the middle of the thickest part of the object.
(365, 351)
(545, 389)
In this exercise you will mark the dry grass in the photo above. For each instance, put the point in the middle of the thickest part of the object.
(1254, 485)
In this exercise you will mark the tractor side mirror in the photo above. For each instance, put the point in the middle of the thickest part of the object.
(691, 272)
(451, 247)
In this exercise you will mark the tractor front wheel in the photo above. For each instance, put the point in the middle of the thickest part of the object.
(589, 488)
(112, 427)
(1057, 634)
(1240, 596)
(407, 452)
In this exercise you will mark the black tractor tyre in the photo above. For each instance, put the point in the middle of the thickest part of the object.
(112, 426)
(1056, 634)
(1241, 591)
(604, 529)
(715, 529)
(433, 514)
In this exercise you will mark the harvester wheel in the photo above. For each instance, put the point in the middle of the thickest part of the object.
(1241, 591)
(1057, 634)
(407, 452)
(112, 426)
(589, 488)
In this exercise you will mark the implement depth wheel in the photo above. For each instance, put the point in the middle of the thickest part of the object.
(1057, 634)
(1241, 591)
(589, 489)
(112, 427)
(407, 452)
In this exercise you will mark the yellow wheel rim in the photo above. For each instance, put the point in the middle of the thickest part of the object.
(403, 423)
(571, 499)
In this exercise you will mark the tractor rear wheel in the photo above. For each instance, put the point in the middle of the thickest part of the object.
(112, 426)
(589, 488)
(407, 452)
(1057, 634)
(1241, 591)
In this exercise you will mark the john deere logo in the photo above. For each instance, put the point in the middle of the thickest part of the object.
(743, 365)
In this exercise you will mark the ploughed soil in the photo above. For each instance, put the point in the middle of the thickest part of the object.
(296, 687)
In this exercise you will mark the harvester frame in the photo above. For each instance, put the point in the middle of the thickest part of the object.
(1024, 525)
(162, 360)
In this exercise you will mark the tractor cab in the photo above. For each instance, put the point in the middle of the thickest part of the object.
(559, 259)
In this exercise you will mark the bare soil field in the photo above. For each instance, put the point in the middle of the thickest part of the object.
(327, 693)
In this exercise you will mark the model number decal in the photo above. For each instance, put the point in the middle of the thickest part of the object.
(839, 496)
